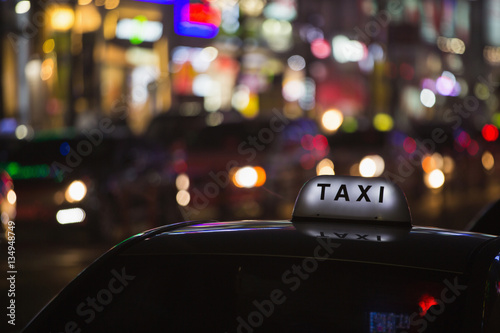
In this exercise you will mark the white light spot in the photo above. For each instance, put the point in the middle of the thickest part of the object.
(21, 132)
(22, 7)
(296, 63)
(72, 215)
(76, 191)
(427, 98)
(246, 177)
(11, 197)
(182, 182)
(183, 198)
(203, 85)
(294, 90)
(371, 166)
(434, 179)
(332, 119)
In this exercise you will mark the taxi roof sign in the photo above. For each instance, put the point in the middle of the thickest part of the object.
(341, 198)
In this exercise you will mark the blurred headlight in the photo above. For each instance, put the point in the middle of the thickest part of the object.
(76, 191)
(72, 215)
(249, 177)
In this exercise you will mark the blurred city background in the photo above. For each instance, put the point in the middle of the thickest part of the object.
(117, 116)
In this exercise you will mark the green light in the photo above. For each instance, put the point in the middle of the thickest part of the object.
(350, 125)
(17, 171)
(13, 169)
(383, 122)
(138, 29)
(495, 119)
(482, 91)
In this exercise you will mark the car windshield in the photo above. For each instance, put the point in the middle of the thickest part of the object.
(231, 293)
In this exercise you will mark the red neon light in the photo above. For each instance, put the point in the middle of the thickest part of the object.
(204, 13)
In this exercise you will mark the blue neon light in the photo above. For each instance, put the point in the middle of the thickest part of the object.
(184, 27)
(161, 2)
(182, 23)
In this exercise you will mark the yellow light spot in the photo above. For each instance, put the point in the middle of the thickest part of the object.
(47, 69)
(481, 91)
(448, 165)
(325, 167)
(488, 160)
(62, 18)
(48, 45)
(383, 122)
(111, 4)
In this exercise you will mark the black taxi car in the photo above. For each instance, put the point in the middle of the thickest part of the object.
(349, 260)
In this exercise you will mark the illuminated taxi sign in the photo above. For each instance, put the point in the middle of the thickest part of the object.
(374, 200)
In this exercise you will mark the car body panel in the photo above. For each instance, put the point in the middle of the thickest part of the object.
(191, 257)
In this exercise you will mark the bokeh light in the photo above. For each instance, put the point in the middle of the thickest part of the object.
(350, 124)
(445, 84)
(11, 197)
(293, 90)
(371, 166)
(409, 145)
(21, 132)
(183, 198)
(320, 142)
(182, 181)
(427, 98)
(473, 148)
(383, 122)
(245, 177)
(488, 160)
(332, 120)
(22, 7)
(435, 179)
(490, 132)
(296, 63)
(320, 48)
(76, 191)
(448, 165)
(307, 142)
(325, 167)
(49, 45)
(62, 18)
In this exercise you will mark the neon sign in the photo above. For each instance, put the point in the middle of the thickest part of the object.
(139, 30)
(200, 19)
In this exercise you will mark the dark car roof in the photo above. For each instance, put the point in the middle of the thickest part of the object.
(418, 247)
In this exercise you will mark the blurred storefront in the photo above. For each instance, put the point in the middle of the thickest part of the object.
(401, 68)
(62, 60)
